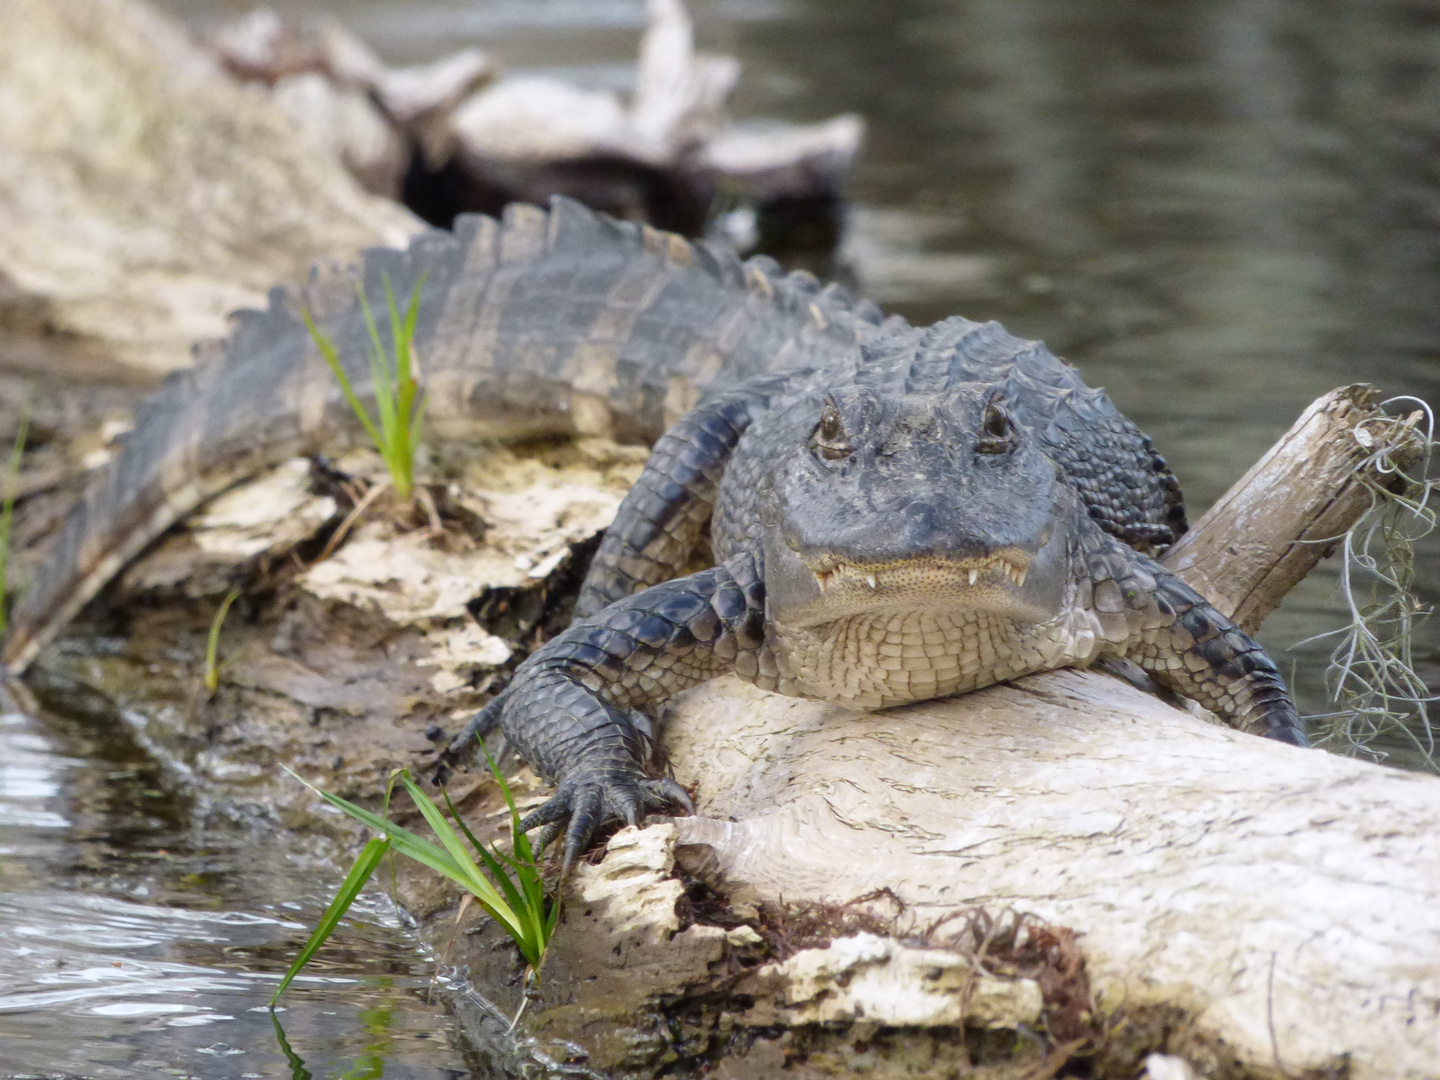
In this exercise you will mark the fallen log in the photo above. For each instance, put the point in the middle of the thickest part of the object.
(1281, 904)
(1245, 909)
(143, 196)
(1283, 516)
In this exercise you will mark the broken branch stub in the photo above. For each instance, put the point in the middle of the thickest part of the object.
(1282, 517)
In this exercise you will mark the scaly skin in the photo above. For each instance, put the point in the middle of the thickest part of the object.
(897, 513)
(542, 323)
(941, 512)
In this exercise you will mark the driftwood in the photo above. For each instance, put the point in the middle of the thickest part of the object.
(1284, 515)
(661, 157)
(121, 243)
(1282, 902)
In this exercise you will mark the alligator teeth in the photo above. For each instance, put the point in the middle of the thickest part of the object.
(1012, 573)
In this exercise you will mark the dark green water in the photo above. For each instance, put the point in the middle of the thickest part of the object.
(1218, 210)
(141, 935)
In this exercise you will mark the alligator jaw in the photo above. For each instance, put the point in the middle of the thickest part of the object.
(1010, 565)
(1011, 582)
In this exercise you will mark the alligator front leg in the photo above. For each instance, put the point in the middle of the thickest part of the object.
(660, 522)
(1173, 632)
(1205, 656)
(571, 711)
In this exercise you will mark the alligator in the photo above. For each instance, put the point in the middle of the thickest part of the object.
(895, 513)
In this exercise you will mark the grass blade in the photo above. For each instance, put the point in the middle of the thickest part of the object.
(399, 344)
(454, 813)
(332, 358)
(417, 425)
(7, 510)
(517, 904)
(396, 425)
(523, 924)
(404, 841)
(485, 891)
(407, 366)
(212, 646)
(350, 888)
(465, 874)
(382, 380)
(526, 863)
(504, 787)
(525, 894)
(438, 825)
(401, 839)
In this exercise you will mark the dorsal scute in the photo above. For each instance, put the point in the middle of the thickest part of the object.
(562, 318)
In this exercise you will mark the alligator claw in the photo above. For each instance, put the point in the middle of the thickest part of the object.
(586, 801)
(465, 744)
(632, 812)
(549, 833)
(672, 791)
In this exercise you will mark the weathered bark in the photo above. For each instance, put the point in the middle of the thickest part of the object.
(1284, 899)
(1284, 515)
(143, 196)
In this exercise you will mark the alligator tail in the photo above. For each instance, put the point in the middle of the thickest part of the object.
(546, 321)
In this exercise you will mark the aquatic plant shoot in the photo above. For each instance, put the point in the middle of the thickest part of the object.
(212, 644)
(510, 889)
(399, 418)
(7, 510)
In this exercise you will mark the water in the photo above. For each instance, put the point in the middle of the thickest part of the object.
(139, 940)
(1217, 209)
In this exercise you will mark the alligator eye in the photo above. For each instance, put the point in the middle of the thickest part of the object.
(995, 429)
(829, 435)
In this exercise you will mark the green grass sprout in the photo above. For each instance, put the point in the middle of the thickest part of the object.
(509, 889)
(350, 888)
(212, 646)
(399, 418)
(7, 509)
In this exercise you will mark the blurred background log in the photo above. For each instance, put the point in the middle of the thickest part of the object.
(144, 196)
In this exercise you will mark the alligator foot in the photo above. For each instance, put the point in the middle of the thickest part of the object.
(588, 798)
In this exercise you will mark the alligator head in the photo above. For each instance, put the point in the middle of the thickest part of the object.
(911, 503)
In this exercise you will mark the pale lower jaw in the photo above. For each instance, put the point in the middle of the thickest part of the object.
(876, 578)
(851, 599)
